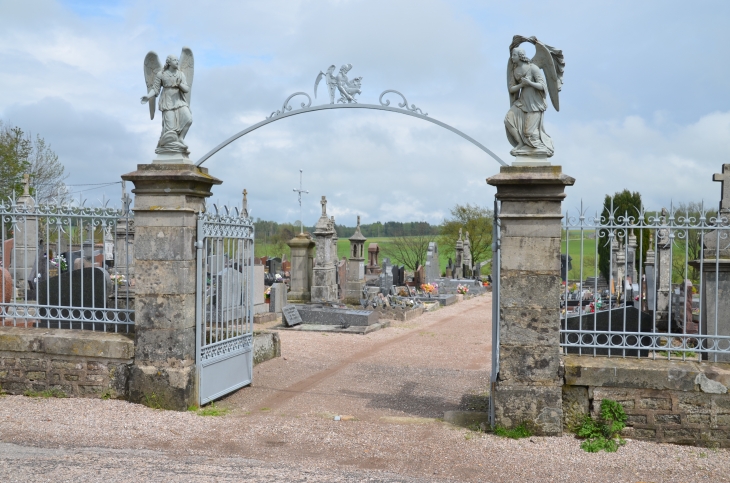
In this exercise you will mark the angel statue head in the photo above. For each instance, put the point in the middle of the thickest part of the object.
(172, 85)
(519, 54)
(529, 81)
(171, 61)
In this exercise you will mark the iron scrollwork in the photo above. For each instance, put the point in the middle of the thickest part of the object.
(403, 104)
(286, 107)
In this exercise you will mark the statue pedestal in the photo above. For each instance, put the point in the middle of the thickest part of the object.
(176, 158)
(537, 160)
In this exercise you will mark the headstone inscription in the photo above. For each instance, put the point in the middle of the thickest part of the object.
(291, 315)
(84, 288)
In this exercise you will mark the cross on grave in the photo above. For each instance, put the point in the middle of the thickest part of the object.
(26, 184)
(323, 202)
(244, 205)
(300, 191)
(724, 179)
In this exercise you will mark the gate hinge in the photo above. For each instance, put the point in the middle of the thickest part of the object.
(199, 245)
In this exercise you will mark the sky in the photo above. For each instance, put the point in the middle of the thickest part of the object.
(644, 105)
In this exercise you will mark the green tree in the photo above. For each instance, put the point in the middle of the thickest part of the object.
(14, 151)
(625, 203)
(20, 154)
(477, 220)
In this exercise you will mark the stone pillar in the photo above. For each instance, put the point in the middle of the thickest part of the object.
(355, 267)
(168, 196)
(124, 239)
(324, 283)
(301, 268)
(529, 383)
(25, 247)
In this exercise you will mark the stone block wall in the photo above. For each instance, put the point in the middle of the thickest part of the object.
(665, 401)
(78, 363)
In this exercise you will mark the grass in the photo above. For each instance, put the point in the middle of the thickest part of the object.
(209, 410)
(152, 401)
(46, 393)
(518, 432)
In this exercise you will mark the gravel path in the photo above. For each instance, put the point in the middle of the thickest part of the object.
(390, 387)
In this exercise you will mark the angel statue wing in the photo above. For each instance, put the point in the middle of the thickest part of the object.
(547, 58)
(151, 67)
(187, 66)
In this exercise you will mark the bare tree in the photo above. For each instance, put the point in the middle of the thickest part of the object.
(409, 250)
(478, 222)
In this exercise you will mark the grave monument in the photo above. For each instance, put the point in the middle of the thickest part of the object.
(355, 267)
(324, 282)
(25, 250)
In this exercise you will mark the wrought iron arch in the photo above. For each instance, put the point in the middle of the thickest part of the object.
(403, 108)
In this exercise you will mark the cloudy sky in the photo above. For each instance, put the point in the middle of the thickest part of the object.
(644, 107)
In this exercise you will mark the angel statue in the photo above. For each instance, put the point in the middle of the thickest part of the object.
(175, 81)
(348, 88)
(528, 91)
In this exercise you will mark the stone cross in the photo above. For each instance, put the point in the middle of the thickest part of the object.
(724, 179)
(26, 184)
(323, 202)
(244, 205)
(300, 191)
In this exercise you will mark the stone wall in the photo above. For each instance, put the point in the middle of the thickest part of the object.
(78, 363)
(665, 401)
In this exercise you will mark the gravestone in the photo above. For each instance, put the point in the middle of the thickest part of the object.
(385, 279)
(290, 315)
(433, 266)
(228, 294)
(277, 297)
(274, 265)
(286, 266)
(341, 278)
(373, 252)
(419, 276)
(259, 303)
(216, 262)
(84, 288)
(7, 252)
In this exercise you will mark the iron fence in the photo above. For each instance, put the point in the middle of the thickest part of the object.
(58, 266)
(646, 284)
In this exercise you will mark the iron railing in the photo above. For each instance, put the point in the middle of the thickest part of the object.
(58, 266)
(662, 295)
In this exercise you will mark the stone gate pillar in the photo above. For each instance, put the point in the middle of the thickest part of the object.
(529, 384)
(167, 198)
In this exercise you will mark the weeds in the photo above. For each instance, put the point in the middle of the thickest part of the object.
(519, 431)
(152, 401)
(212, 410)
(603, 433)
(46, 393)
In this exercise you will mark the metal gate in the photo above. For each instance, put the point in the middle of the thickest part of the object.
(224, 303)
(496, 261)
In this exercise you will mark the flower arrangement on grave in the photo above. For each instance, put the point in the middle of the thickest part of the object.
(462, 289)
(429, 288)
(59, 262)
(267, 292)
(118, 278)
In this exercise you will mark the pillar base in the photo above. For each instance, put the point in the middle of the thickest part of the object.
(161, 386)
(540, 408)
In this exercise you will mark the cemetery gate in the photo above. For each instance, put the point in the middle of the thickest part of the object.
(224, 302)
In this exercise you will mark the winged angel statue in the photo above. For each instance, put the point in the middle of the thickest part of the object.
(172, 84)
(340, 82)
(527, 94)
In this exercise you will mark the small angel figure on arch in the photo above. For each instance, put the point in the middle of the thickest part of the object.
(173, 85)
(528, 90)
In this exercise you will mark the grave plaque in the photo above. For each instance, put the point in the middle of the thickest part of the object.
(291, 315)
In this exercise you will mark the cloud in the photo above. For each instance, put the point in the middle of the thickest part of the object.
(641, 109)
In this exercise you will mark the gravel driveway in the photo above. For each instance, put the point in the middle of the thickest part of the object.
(389, 387)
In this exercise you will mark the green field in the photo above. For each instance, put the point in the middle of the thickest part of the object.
(343, 250)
